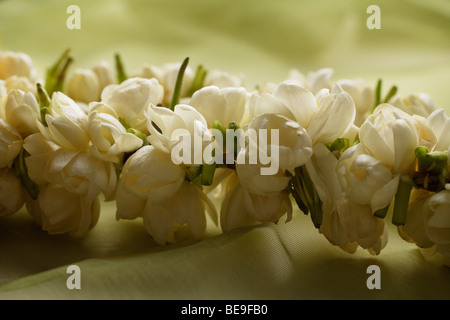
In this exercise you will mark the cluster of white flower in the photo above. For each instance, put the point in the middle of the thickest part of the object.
(344, 152)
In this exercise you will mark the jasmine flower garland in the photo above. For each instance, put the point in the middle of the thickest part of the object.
(168, 141)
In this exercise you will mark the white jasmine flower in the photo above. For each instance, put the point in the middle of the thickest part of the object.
(437, 223)
(362, 94)
(109, 138)
(345, 223)
(19, 83)
(233, 212)
(353, 224)
(366, 180)
(84, 86)
(77, 171)
(439, 123)
(67, 123)
(390, 135)
(10, 144)
(414, 228)
(241, 208)
(153, 187)
(334, 118)
(129, 204)
(41, 150)
(168, 128)
(11, 192)
(293, 147)
(187, 206)
(16, 64)
(131, 98)
(150, 173)
(22, 112)
(80, 173)
(314, 81)
(326, 117)
(60, 211)
(420, 104)
(225, 105)
(223, 79)
(288, 99)
(425, 132)
(250, 176)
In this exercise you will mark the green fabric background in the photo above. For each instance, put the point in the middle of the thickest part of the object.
(263, 40)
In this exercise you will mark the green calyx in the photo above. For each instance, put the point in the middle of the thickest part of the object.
(120, 70)
(338, 146)
(306, 196)
(432, 172)
(133, 131)
(44, 103)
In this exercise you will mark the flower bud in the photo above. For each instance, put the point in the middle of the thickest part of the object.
(223, 79)
(419, 104)
(365, 179)
(84, 86)
(61, 211)
(104, 74)
(22, 112)
(16, 63)
(131, 98)
(20, 83)
(150, 173)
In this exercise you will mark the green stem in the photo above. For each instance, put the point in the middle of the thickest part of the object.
(121, 75)
(401, 202)
(53, 71)
(61, 76)
(199, 79)
(177, 89)
(378, 93)
(21, 169)
(390, 94)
